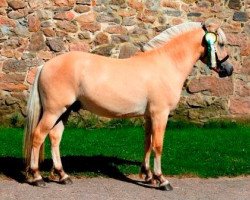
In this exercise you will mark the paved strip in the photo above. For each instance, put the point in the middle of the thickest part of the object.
(237, 188)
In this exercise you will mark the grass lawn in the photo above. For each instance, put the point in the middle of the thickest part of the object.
(190, 150)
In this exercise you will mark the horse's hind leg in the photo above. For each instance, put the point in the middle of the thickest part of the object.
(46, 123)
(55, 138)
(145, 168)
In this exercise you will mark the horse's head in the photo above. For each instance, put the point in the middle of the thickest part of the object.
(215, 54)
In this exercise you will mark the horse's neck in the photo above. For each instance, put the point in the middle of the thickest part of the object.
(183, 52)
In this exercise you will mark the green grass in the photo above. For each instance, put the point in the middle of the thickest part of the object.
(208, 151)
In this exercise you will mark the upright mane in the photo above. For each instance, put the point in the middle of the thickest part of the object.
(169, 33)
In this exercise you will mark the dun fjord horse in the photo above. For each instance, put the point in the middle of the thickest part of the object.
(148, 84)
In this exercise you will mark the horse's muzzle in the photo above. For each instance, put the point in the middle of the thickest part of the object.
(225, 69)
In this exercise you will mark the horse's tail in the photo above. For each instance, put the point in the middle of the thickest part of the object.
(34, 111)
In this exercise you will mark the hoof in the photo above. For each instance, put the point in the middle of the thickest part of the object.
(38, 183)
(66, 181)
(165, 187)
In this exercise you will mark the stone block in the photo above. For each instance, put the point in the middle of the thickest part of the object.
(45, 55)
(68, 15)
(246, 66)
(48, 32)
(117, 29)
(17, 4)
(117, 39)
(128, 21)
(86, 18)
(82, 8)
(56, 44)
(240, 16)
(234, 4)
(92, 27)
(11, 87)
(31, 75)
(34, 23)
(12, 78)
(240, 106)
(79, 46)
(216, 86)
(104, 50)
(242, 88)
(69, 3)
(101, 38)
(136, 4)
(37, 42)
(127, 50)
(3, 3)
(107, 17)
(67, 26)
(84, 2)
(17, 14)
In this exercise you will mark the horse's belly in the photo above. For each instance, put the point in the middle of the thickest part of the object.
(114, 107)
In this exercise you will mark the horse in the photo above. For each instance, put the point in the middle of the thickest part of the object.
(148, 84)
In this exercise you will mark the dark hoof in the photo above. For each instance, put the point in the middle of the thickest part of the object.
(166, 187)
(38, 183)
(66, 181)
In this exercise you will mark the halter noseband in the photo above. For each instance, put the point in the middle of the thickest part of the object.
(211, 39)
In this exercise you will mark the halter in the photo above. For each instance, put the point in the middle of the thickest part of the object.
(211, 39)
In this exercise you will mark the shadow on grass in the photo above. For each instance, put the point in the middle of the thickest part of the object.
(98, 165)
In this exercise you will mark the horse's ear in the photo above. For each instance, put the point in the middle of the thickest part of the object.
(212, 24)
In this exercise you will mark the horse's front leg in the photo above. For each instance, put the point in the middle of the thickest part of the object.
(145, 167)
(159, 122)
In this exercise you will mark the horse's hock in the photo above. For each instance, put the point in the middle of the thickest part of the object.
(32, 32)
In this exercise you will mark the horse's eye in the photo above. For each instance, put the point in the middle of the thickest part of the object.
(221, 45)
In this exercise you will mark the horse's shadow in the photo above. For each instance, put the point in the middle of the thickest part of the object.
(102, 165)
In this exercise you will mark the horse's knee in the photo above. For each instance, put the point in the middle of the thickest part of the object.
(158, 149)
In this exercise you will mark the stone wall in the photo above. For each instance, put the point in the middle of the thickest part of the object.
(34, 31)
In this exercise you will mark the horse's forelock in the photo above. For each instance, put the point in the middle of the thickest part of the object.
(221, 36)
